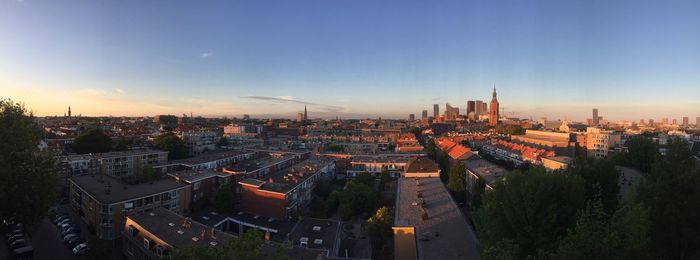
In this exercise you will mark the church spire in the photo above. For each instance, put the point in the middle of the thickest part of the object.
(305, 114)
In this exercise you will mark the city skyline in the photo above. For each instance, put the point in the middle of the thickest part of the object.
(352, 60)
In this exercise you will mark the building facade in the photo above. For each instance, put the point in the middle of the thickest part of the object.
(493, 112)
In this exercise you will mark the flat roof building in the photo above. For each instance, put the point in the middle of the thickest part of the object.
(103, 201)
(427, 223)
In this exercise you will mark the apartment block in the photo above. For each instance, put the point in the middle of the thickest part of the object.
(104, 202)
(198, 142)
(286, 193)
(600, 142)
(128, 163)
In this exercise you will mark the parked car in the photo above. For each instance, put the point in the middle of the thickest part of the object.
(10, 234)
(81, 249)
(71, 229)
(75, 241)
(64, 221)
(15, 238)
(60, 218)
(23, 253)
(69, 236)
(17, 244)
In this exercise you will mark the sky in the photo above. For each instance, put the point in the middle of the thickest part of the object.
(351, 58)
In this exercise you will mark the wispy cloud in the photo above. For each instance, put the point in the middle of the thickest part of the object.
(120, 91)
(290, 99)
(437, 98)
(206, 55)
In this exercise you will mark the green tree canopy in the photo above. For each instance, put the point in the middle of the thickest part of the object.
(92, 140)
(641, 154)
(378, 229)
(532, 210)
(601, 178)
(457, 180)
(27, 175)
(509, 129)
(171, 143)
(625, 235)
(672, 194)
(430, 148)
(248, 246)
(224, 198)
(365, 178)
(223, 141)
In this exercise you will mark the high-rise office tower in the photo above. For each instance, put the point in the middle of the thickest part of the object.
(479, 108)
(436, 110)
(664, 121)
(596, 120)
(651, 122)
(484, 108)
(675, 121)
(412, 117)
(493, 112)
(425, 114)
(685, 121)
(471, 106)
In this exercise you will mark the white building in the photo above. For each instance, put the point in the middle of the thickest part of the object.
(599, 142)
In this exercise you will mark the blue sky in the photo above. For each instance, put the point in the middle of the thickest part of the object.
(631, 59)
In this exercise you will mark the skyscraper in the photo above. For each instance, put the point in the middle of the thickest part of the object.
(412, 117)
(436, 110)
(493, 112)
(596, 120)
(425, 114)
(697, 121)
(479, 108)
(675, 121)
(664, 121)
(685, 121)
(471, 106)
(484, 108)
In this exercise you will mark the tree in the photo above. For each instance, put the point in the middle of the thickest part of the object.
(356, 199)
(509, 129)
(365, 178)
(641, 154)
(477, 193)
(672, 195)
(92, 140)
(457, 183)
(384, 178)
(171, 143)
(624, 235)
(149, 174)
(248, 246)
(28, 179)
(378, 229)
(224, 197)
(430, 149)
(533, 210)
(223, 141)
(335, 148)
(601, 179)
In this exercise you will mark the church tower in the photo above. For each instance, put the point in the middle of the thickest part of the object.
(68, 111)
(305, 115)
(493, 109)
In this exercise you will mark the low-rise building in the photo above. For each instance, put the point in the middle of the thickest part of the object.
(286, 193)
(557, 162)
(158, 233)
(427, 222)
(214, 160)
(375, 165)
(198, 142)
(202, 183)
(482, 169)
(103, 202)
(75, 165)
(421, 167)
(129, 163)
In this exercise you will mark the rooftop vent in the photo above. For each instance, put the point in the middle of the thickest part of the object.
(213, 243)
(214, 213)
(152, 214)
(318, 242)
(317, 228)
(180, 232)
(205, 217)
(240, 213)
(195, 239)
(171, 224)
(270, 219)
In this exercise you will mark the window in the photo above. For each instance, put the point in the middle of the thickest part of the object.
(147, 243)
(197, 185)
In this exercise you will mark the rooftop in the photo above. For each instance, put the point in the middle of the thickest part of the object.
(97, 186)
(421, 165)
(128, 153)
(191, 176)
(368, 159)
(285, 180)
(168, 226)
(279, 229)
(444, 223)
(486, 170)
(265, 161)
(561, 159)
(210, 157)
(318, 234)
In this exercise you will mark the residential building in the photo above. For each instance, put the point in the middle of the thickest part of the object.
(484, 170)
(471, 107)
(202, 182)
(286, 193)
(685, 121)
(421, 167)
(74, 165)
(103, 201)
(127, 163)
(167, 120)
(158, 233)
(600, 142)
(427, 222)
(411, 117)
(214, 160)
(557, 162)
(375, 165)
(198, 142)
